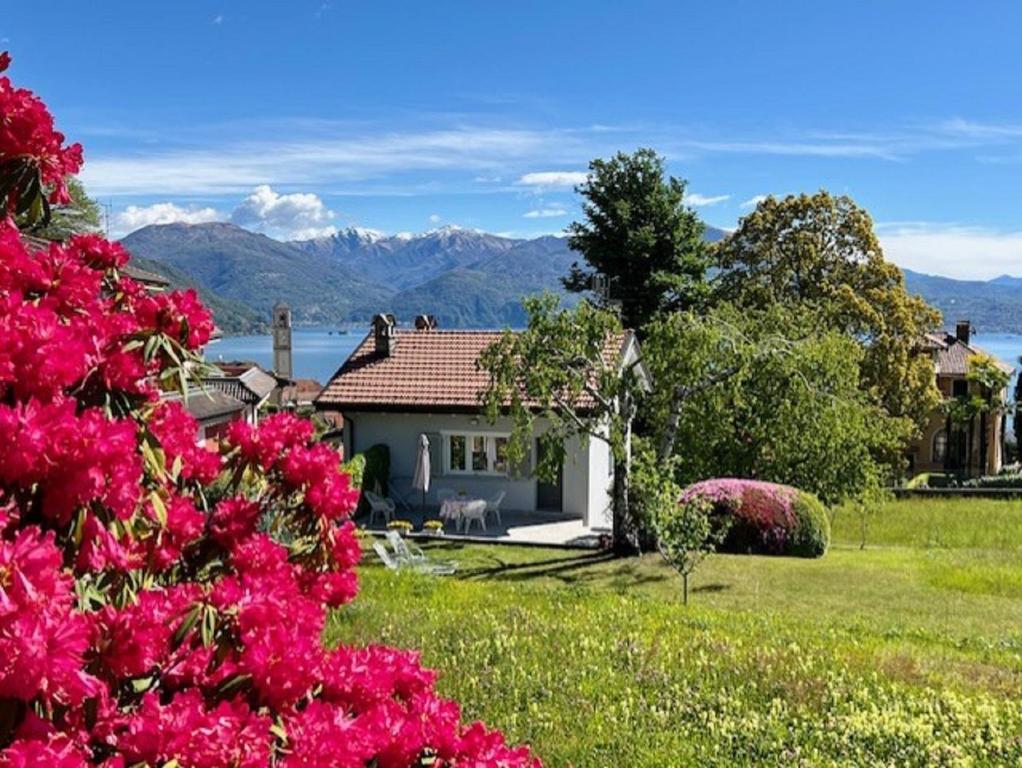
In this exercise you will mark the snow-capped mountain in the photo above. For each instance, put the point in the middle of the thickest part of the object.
(404, 260)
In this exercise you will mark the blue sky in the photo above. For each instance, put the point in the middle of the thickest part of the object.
(295, 118)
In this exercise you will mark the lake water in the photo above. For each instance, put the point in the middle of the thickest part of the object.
(319, 352)
(316, 353)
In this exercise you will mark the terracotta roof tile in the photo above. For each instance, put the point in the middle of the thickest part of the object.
(952, 355)
(426, 371)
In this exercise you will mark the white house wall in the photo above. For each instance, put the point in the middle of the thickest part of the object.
(599, 485)
(585, 468)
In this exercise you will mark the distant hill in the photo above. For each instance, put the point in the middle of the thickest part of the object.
(253, 269)
(993, 306)
(232, 316)
(468, 279)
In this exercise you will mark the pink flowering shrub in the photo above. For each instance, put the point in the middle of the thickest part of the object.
(766, 518)
(162, 603)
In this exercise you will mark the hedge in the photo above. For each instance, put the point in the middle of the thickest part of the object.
(766, 518)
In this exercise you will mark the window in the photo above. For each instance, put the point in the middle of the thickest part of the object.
(476, 453)
(939, 446)
(959, 388)
(457, 452)
(500, 458)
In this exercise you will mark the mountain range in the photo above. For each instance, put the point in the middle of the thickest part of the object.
(468, 279)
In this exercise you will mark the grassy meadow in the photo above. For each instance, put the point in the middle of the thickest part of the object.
(907, 652)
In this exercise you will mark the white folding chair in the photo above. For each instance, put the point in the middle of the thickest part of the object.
(384, 555)
(474, 511)
(493, 504)
(378, 505)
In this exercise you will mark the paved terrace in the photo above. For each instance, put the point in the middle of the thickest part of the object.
(539, 528)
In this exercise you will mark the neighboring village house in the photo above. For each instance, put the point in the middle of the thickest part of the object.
(944, 445)
(247, 383)
(398, 384)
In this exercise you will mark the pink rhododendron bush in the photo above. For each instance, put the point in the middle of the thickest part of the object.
(161, 602)
(766, 518)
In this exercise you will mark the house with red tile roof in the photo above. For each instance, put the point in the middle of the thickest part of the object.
(399, 384)
(973, 449)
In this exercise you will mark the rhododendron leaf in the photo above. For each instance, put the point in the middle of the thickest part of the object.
(186, 626)
(154, 458)
(234, 683)
(151, 345)
(159, 508)
(278, 730)
(142, 684)
(208, 629)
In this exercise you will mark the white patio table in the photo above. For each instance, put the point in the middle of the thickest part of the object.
(452, 509)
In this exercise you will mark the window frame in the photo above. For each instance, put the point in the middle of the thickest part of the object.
(939, 437)
(469, 437)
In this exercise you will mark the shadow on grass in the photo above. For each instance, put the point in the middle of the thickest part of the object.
(711, 588)
(499, 569)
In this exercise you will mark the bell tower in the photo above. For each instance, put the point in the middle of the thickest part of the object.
(282, 340)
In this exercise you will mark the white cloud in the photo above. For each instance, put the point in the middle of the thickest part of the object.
(553, 179)
(218, 19)
(697, 200)
(434, 218)
(294, 216)
(137, 216)
(545, 213)
(952, 250)
(752, 202)
(318, 155)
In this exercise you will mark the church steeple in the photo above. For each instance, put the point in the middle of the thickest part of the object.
(281, 323)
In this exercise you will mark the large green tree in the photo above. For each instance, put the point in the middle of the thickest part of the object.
(765, 394)
(639, 237)
(820, 253)
(562, 378)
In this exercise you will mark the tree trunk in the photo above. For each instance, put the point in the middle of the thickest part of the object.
(947, 443)
(968, 447)
(983, 435)
(684, 588)
(666, 448)
(626, 534)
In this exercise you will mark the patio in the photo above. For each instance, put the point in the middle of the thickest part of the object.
(539, 528)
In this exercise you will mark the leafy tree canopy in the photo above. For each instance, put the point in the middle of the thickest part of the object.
(640, 236)
(820, 253)
(764, 394)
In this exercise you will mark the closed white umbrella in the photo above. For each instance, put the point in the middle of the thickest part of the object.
(422, 468)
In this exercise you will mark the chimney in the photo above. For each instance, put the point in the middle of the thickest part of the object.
(963, 330)
(425, 322)
(383, 333)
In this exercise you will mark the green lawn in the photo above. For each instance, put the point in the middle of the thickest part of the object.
(906, 653)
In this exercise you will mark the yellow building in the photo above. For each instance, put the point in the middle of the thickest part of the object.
(964, 449)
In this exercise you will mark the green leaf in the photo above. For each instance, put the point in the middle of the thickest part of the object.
(159, 508)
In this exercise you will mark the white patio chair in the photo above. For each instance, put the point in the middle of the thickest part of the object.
(385, 556)
(493, 504)
(408, 553)
(424, 565)
(474, 511)
(378, 504)
(404, 549)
